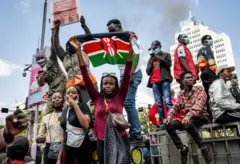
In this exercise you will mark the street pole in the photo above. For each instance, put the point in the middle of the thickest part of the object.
(43, 25)
(36, 107)
(35, 127)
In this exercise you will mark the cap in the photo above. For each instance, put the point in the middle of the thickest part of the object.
(220, 68)
(154, 44)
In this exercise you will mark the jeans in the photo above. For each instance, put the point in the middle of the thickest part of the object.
(130, 105)
(162, 91)
(194, 123)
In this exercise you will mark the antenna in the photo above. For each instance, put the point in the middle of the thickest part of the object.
(190, 14)
(38, 42)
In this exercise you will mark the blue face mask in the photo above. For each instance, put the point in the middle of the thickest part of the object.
(186, 40)
(157, 50)
(210, 42)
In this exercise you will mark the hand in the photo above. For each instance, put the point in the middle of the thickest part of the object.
(41, 139)
(71, 101)
(185, 121)
(167, 120)
(15, 123)
(56, 23)
(132, 35)
(74, 42)
(41, 79)
(82, 20)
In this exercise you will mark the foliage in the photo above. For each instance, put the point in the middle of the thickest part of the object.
(144, 121)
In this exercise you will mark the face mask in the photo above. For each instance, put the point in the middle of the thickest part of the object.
(157, 50)
(210, 42)
(186, 40)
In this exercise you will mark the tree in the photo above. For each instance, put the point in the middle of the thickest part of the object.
(144, 121)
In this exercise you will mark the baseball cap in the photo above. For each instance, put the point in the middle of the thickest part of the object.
(154, 44)
(220, 68)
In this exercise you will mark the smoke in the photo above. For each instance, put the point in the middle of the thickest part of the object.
(149, 19)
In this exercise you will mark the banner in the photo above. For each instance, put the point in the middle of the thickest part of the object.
(66, 10)
(36, 94)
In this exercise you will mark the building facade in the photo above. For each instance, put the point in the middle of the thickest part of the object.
(195, 30)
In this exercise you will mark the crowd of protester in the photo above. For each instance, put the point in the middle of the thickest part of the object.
(65, 128)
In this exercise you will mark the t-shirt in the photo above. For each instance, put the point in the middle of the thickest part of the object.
(121, 68)
(72, 119)
(181, 52)
(156, 73)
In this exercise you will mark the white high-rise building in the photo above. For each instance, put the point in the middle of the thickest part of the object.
(195, 30)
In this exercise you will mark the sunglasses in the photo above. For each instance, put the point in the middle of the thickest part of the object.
(108, 74)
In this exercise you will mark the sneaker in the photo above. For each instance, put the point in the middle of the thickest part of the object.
(184, 154)
(134, 140)
(206, 155)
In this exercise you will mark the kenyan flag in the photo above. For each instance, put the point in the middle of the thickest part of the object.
(106, 48)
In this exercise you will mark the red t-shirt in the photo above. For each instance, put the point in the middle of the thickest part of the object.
(156, 73)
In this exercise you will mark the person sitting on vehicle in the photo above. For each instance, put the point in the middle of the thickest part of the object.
(191, 103)
(222, 103)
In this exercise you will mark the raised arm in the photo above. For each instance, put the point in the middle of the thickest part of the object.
(84, 26)
(61, 53)
(127, 72)
(93, 93)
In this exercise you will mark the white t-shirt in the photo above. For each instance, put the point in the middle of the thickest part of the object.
(121, 68)
(181, 52)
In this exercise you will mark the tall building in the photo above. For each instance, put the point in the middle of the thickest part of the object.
(195, 29)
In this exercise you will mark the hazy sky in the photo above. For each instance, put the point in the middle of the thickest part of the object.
(151, 19)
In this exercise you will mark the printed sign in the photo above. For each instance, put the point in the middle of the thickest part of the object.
(66, 10)
(36, 93)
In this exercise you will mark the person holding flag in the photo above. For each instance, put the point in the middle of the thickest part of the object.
(110, 99)
(115, 25)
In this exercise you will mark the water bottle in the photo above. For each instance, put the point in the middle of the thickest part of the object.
(136, 46)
